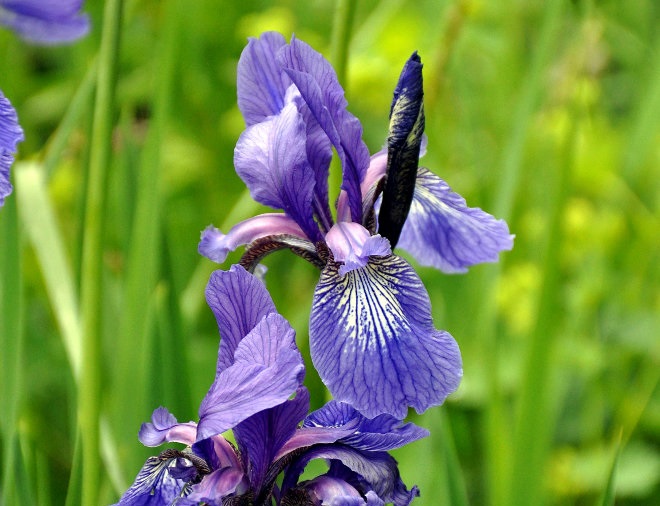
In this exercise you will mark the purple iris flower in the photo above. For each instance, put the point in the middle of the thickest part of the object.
(10, 135)
(372, 337)
(258, 393)
(45, 22)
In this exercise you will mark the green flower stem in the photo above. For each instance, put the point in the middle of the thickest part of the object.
(89, 387)
(341, 36)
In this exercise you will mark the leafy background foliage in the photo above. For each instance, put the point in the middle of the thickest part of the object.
(543, 113)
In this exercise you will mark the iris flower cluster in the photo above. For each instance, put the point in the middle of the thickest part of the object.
(44, 22)
(372, 338)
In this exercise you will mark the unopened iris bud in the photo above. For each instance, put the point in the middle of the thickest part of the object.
(403, 145)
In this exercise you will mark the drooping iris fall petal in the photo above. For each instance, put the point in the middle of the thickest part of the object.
(386, 355)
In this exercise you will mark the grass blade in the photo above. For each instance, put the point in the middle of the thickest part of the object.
(38, 218)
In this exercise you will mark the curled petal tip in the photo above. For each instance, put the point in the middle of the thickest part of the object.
(165, 428)
(213, 245)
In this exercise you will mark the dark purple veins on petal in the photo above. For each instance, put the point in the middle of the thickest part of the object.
(373, 342)
(239, 301)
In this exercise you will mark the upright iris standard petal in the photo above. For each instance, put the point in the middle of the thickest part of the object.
(263, 89)
(403, 146)
(45, 22)
(443, 232)
(261, 84)
(317, 82)
(10, 135)
(267, 369)
(386, 354)
(271, 158)
(239, 302)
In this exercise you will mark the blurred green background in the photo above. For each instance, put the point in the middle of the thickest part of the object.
(544, 113)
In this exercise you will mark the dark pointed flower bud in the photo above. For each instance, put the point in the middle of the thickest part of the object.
(403, 145)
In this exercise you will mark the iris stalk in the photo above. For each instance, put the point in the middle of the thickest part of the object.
(89, 387)
(341, 36)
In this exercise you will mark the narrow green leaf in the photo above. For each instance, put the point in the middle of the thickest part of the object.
(90, 389)
(608, 496)
(77, 108)
(39, 221)
(132, 380)
(11, 344)
(74, 488)
(455, 480)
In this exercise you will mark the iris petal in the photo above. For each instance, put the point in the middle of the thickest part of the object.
(330, 490)
(165, 428)
(378, 469)
(154, 485)
(373, 342)
(219, 484)
(267, 369)
(403, 147)
(10, 135)
(263, 87)
(271, 158)
(352, 245)
(443, 232)
(317, 82)
(215, 245)
(261, 83)
(45, 23)
(261, 436)
(382, 433)
(239, 302)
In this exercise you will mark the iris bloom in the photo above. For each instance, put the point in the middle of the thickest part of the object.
(259, 369)
(10, 135)
(372, 338)
(45, 22)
